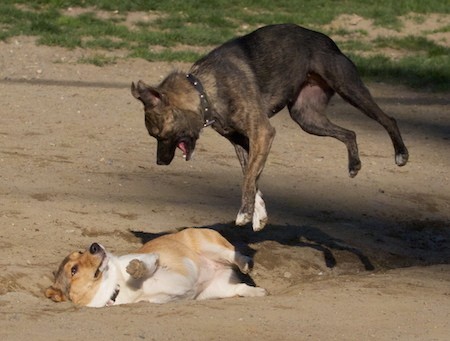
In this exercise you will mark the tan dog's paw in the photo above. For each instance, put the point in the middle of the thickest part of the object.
(137, 269)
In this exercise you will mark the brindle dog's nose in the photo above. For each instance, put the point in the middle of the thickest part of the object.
(94, 248)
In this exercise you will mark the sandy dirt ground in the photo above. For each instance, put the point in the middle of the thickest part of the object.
(343, 259)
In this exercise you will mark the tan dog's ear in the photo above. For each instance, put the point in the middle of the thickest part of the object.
(146, 94)
(55, 294)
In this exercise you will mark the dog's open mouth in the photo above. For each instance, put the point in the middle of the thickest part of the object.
(184, 146)
(103, 265)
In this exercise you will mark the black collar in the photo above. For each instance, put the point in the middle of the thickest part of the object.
(114, 295)
(204, 103)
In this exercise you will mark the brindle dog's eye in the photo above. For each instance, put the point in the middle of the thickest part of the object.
(74, 270)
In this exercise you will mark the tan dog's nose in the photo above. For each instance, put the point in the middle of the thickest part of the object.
(95, 248)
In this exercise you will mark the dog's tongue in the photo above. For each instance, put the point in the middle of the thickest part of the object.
(183, 147)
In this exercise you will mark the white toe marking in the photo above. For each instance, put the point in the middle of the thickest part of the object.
(241, 219)
(260, 213)
(259, 218)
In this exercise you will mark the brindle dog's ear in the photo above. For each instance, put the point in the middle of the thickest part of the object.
(146, 94)
(55, 294)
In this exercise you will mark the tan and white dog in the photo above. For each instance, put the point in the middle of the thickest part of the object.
(190, 264)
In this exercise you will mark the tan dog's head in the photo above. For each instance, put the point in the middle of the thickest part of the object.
(79, 276)
(171, 115)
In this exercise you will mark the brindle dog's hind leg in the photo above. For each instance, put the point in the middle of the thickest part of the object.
(346, 82)
(308, 110)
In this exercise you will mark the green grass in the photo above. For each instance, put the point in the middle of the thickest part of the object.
(166, 55)
(428, 74)
(206, 23)
(98, 60)
(413, 44)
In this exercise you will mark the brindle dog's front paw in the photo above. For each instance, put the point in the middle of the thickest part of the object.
(136, 269)
(258, 217)
(260, 214)
(243, 218)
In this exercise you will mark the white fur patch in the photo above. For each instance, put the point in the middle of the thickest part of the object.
(259, 219)
(242, 219)
(260, 213)
(108, 284)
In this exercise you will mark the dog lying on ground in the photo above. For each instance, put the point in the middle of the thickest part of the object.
(238, 86)
(191, 264)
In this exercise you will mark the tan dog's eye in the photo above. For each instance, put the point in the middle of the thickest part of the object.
(74, 270)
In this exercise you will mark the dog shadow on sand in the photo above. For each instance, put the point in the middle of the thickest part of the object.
(246, 240)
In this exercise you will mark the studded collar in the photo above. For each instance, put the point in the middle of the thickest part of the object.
(204, 103)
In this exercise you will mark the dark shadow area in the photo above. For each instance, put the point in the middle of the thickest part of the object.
(380, 239)
(385, 245)
(295, 236)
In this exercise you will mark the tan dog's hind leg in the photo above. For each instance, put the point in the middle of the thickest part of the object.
(224, 285)
(227, 255)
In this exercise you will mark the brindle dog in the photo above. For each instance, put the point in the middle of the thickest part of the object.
(238, 86)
